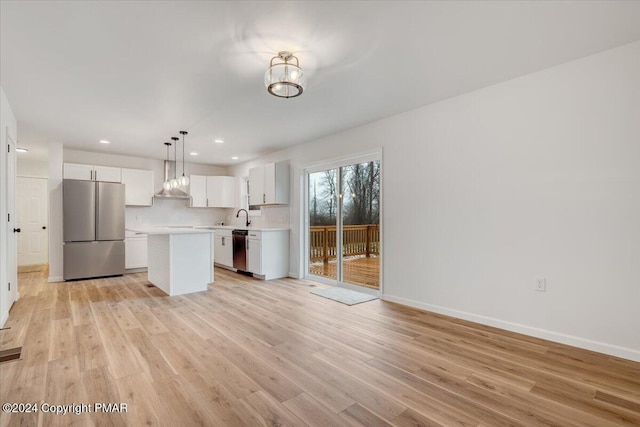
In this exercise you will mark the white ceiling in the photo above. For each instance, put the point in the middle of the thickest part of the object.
(137, 72)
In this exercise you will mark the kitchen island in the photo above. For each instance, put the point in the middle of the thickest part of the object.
(180, 259)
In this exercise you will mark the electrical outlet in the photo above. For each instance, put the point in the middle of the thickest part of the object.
(540, 284)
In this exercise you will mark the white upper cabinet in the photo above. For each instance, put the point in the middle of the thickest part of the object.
(106, 173)
(212, 191)
(92, 173)
(138, 187)
(198, 191)
(77, 171)
(221, 191)
(269, 184)
(256, 186)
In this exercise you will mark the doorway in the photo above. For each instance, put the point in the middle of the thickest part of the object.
(12, 229)
(343, 213)
(31, 218)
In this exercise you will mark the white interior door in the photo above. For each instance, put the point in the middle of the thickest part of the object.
(12, 229)
(31, 218)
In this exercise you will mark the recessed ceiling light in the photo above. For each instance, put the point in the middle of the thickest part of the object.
(22, 150)
(235, 158)
(104, 141)
(218, 141)
(193, 153)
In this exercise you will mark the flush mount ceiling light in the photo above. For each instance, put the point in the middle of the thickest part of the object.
(284, 79)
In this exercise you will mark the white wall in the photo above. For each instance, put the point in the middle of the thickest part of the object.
(32, 168)
(537, 176)
(55, 212)
(7, 124)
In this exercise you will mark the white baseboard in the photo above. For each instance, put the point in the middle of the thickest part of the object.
(294, 275)
(53, 279)
(600, 347)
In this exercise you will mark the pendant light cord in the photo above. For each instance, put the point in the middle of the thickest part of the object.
(183, 133)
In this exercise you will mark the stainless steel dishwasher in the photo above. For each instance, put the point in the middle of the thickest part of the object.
(240, 249)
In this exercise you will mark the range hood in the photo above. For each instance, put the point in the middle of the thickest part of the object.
(173, 193)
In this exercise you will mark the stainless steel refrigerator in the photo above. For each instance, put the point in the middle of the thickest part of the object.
(93, 229)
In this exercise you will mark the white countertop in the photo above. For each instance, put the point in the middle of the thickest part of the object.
(240, 227)
(170, 230)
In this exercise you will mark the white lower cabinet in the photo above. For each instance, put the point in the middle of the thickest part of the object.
(268, 253)
(135, 250)
(254, 255)
(223, 251)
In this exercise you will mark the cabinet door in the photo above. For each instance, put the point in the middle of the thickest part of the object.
(223, 251)
(138, 187)
(78, 171)
(256, 186)
(135, 255)
(254, 256)
(221, 191)
(270, 183)
(198, 191)
(218, 250)
(106, 173)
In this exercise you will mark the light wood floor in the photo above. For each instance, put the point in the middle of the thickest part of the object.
(249, 352)
(361, 271)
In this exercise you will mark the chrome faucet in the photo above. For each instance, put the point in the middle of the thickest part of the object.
(245, 211)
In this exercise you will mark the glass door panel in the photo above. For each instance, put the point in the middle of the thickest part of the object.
(360, 223)
(322, 216)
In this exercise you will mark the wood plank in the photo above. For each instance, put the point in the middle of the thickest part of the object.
(250, 352)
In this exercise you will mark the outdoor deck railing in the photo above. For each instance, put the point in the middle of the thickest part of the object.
(357, 240)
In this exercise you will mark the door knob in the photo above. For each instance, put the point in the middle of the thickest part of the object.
(16, 230)
(44, 227)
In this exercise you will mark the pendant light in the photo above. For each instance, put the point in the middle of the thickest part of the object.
(183, 180)
(174, 181)
(167, 184)
(283, 78)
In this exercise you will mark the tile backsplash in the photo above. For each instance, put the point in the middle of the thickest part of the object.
(173, 212)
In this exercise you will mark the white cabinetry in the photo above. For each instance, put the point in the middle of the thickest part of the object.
(269, 184)
(221, 191)
(256, 186)
(92, 173)
(106, 173)
(268, 253)
(135, 247)
(254, 255)
(223, 252)
(138, 187)
(76, 171)
(198, 191)
(212, 191)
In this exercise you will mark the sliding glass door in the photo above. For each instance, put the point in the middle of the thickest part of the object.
(343, 217)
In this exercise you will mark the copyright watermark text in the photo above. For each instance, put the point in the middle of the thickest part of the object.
(70, 408)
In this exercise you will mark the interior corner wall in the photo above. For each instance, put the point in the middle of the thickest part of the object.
(55, 212)
(538, 176)
(7, 124)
